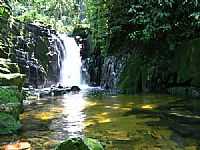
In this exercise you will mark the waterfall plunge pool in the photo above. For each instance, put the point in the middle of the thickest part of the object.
(111, 119)
(121, 122)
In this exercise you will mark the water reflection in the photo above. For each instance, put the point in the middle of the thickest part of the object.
(110, 119)
(71, 122)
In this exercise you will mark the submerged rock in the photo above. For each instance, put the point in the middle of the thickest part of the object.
(80, 144)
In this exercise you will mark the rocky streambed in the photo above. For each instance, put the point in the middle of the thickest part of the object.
(141, 122)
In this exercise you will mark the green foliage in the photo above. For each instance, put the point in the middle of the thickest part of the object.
(9, 96)
(195, 19)
(60, 14)
(4, 11)
(75, 144)
(118, 24)
(8, 124)
(93, 144)
(98, 20)
(187, 62)
(134, 73)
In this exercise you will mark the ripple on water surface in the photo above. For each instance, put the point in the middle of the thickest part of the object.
(109, 118)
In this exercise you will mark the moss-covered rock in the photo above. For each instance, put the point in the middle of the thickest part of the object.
(93, 144)
(11, 67)
(9, 94)
(11, 101)
(12, 79)
(184, 91)
(10, 73)
(3, 54)
(135, 74)
(187, 62)
(80, 144)
(8, 124)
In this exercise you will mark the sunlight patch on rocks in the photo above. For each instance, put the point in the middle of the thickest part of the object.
(45, 116)
(148, 106)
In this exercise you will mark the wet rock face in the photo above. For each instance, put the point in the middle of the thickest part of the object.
(111, 71)
(10, 73)
(35, 72)
(53, 68)
(29, 52)
(193, 92)
(55, 57)
(103, 72)
(91, 70)
(38, 52)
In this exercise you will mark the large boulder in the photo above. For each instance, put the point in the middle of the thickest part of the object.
(10, 73)
(80, 144)
(12, 79)
(6, 64)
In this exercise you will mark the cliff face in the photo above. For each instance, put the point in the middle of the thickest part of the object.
(36, 49)
(160, 70)
(157, 73)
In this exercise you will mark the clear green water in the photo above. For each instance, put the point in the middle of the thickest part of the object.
(110, 119)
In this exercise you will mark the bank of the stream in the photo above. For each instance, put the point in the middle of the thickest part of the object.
(141, 122)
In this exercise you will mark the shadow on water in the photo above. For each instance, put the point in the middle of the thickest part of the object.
(179, 115)
(122, 122)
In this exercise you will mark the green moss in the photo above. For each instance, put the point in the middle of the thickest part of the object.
(4, 10)
(134, 75)
(3, 54)
(75, 144)
(8, 95)
(8, 124)
(80, 144)
(93, 144)
(80, 31)
(187, 62)
(12, 79)
(11, 101)
(4, 70)
(10, 73)
(8, 66)
(14, 68)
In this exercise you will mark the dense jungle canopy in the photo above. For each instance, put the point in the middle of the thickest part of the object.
(152, 32)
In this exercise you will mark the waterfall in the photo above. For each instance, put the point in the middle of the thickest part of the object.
(70, 74)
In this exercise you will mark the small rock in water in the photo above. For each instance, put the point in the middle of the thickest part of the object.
(75, 88)
(80, 144)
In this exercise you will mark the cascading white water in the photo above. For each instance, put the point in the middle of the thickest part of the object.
(71, 66)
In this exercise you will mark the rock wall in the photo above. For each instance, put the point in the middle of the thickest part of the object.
(35, 48)
(187, 62)
(133, 73)
(38, 52)
(91, 70)
(111, 71)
